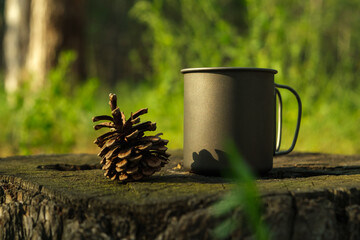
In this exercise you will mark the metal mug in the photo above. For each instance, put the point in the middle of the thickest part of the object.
(242, 104)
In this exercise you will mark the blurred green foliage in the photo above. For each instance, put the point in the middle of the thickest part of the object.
(54, 119)
(244, 200)
(313, 44)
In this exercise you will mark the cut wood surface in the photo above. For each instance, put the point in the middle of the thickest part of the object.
(305, 196)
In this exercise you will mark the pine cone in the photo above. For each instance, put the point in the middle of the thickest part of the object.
(127, 154)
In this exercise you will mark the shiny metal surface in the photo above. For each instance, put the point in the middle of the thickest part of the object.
(208, 69)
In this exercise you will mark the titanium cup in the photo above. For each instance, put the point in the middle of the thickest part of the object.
(240, 104)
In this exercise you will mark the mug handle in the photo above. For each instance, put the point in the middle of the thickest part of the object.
(278, 141)
(278, 127)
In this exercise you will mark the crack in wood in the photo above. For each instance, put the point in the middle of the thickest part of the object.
(69, 167)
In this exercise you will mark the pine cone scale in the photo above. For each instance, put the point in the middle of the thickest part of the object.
(107, 165)
(117, 117)
(135, 121)
(102, 117)
(137, 176)
(104, 125)
(148, 172)
(100, 141)
(112, 154)
(132, 170)
(113, 101)
(140, 112)
(135, 158)
(145, 126)
(152, 139)
(122, 177)
(144, 146)
(132, 135)
(124, 153)
(122, 163)
(153, 162)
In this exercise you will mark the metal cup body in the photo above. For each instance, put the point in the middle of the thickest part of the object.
(228, 103)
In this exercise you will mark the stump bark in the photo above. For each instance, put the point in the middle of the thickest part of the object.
(305, 196)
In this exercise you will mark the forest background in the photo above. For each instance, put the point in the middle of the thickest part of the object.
(136, 49)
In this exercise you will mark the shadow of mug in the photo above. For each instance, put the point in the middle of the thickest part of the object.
(213, 164)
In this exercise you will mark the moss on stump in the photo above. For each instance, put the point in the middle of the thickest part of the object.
(306, 195)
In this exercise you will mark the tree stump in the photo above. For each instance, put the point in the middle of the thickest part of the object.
(305, 196)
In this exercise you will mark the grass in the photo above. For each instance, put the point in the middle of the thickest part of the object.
(244, 196)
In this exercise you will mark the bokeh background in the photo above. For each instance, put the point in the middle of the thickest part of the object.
(59, 60)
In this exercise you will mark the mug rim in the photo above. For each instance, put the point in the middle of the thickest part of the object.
(214, 69)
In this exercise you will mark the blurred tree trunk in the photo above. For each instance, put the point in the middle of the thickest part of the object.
(15, 41)
(54, 26)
